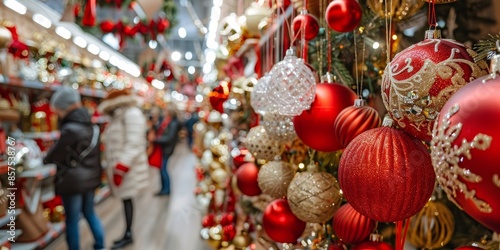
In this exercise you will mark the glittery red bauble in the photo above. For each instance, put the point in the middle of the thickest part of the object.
(466, 150)
(107, 26)
(246, 179)
(350, 226)
(306, 23)
(386, 175)
(370, 245)
(343, 15)
(228, 232)
(219, 95)
(353, 121)
(280, 224)
(208, 220)
(226, 219)
(315, 127)
(421, 78)
(468, 248)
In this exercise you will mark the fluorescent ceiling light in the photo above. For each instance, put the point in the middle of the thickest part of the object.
(80, 41)
(191, 70)
(42, 20)
(63, 32)
(114, 61)
(188, 55)
(104, 55)
(176, 56)
(15, 6)
(182, 32)
(94, 49)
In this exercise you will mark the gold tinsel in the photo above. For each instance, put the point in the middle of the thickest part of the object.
(432, 227)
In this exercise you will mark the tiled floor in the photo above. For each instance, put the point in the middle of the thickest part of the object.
(166, 223)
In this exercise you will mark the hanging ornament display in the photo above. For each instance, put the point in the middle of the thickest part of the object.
(261, 145)
(354, 120)
(280, 224)
(386, 164)
(291, 87)
(306, 23)
(314, 196)
(258, 97)
(315, 127)
(421, 78)
(350, 226)
(274, 178)
(313, 7)
(343, 15)
(279, 127)
(465, 149)
(219, 95)
(432, 227)
(397, 10)
(375, 243)
(246, 179)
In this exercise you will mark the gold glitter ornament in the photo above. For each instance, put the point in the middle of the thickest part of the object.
(280, 127)
(261, 145)
(397, 9)
(314, 196)
(274, 178)
(432, 227)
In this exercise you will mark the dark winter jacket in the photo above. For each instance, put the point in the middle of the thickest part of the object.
(168, 139)
(76, 135)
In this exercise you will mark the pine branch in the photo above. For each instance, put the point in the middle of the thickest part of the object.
(342, 73)
(486, 48)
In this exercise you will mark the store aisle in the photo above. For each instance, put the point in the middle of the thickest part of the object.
(160, 223)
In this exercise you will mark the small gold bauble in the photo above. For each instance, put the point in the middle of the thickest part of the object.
(274, 178)
(314, 196)
(261, 145)
(241, 241)
(432, 227)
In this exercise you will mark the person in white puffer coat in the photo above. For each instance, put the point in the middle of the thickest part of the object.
(125, 156)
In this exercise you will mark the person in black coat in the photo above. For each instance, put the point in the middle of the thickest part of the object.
(78, 160)
(168, 135)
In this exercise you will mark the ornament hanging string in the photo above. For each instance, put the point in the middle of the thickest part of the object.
(401, 231)
(388, 30)
(303, 39)
(432, 20)
(359, 82)
(294, 38)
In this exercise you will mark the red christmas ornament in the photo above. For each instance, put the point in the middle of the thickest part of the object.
(226, 219)
(371, 245)
(162, 25)
(465, 150)
(219, 95)
(208, 220)
(242, 157)
(421, 78)
(306, 23)
(228, 232)
(468, 248)
(315, 127)
(350, 226)
(343, 15)
(129, 30)
(89, 15)
(386, 175)
(354, 120)
(246, 179)
(107, 26)
(280, 224)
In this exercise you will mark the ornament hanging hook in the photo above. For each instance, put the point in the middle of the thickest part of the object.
(494, 64)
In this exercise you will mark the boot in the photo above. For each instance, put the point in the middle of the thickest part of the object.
(123, 242)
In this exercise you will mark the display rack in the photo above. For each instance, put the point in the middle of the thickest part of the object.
(55, 230)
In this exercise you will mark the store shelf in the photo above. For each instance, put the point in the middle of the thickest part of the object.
(40, 173)
(18, 82)
(55, 229)
(102, 194)
(46, 136)
(4, 236)
(6, 218)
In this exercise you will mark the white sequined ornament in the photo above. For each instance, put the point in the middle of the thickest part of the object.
(292, 86)
(258, 98)
(280, 127)
(261, 145)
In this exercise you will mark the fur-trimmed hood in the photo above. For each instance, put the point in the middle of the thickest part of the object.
(108, 105)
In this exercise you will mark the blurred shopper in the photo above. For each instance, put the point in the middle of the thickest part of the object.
(125, 153)
(168, 135)
(78, 161)
(191, 119)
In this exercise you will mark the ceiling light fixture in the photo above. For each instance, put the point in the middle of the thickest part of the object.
(15, 6)
(42, 20)
(80, 41)
(188, 55)
(182, 32)
(176, 56)
(63, 32)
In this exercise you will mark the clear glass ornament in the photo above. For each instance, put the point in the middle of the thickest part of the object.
(258, 97)
(292, 86)
(279, 127)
